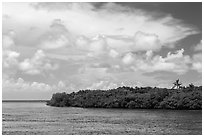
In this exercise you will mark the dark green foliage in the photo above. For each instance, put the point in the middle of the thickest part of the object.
(128, 97)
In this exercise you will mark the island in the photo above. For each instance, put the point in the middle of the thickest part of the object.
(189, 98)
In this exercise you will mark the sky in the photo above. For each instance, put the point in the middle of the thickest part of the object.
(57, 47)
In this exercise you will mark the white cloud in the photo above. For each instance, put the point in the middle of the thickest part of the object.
(145, 41)
(94, 46)
(52, 43)
(104, 85)
(128, 58)
(112, 41)
(197, 58)
(10, 57)
(107, 84)
(56, 37)
(82, 42)
(149, 54)
(111, 19)
(20, 85)
(37, 64)
(197, 66)
(113, 53)
(178, 54)
(7, 39)
(118, 45)
(98, 45)
(40, 86)
(176, 62)
(198, 47)
(7, 42)
(61, 84)
(197, 62)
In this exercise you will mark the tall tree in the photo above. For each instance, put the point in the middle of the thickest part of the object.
(177, 85)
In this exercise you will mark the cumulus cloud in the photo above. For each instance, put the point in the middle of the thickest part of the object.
(147, 62)
(110, 19)
(128, 58)
(107, 84)
(141, 41)
(145, 41)
(120, 44)
(22, 89)
(37, 64)
(113, 53)
(117, 45)
(57, 37)
(198, 47)
(52, 43)
(94, 46)
(176, 62)
(98, 45)
(20, 85)
(111, 40)
(56, 6)
(7, 42)
(197, 58)
(10, 57)
(104, 85)
(61, 84)
(33, 65)
(82, 42)
(149, 54)
(197, 62)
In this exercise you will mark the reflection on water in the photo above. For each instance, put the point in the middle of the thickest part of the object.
(37, 118)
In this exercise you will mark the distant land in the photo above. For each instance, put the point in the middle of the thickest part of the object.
(24, 100)
(189, 98)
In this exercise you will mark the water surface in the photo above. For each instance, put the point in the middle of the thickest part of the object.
(37, 118)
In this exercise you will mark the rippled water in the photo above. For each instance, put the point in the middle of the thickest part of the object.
(37, 118)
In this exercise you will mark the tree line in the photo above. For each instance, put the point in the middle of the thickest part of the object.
(132, 97)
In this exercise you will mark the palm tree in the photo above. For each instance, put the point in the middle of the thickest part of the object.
(177, 85)
(191, 86)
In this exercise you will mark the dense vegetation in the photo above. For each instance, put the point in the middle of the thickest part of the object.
(129, 97)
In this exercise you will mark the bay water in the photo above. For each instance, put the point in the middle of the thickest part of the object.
(28, 118)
